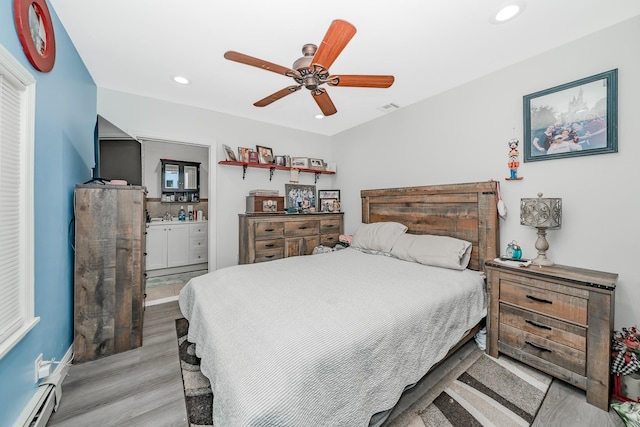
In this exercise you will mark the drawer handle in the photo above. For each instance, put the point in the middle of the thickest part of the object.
(269, 245)
(546, 301)
(331, 238)
(269, 229)
(303, 228)
(269, 256)
(539, 347)
(538, 325)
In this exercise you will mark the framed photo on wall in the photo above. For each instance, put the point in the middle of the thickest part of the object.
(574, 119)
(301, 197)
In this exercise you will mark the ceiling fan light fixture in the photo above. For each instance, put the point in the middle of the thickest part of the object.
(312, 70)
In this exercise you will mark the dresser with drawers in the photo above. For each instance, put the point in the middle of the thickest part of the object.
(267, 237)
(558, 319)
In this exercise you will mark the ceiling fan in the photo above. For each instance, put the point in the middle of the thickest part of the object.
(312, 70)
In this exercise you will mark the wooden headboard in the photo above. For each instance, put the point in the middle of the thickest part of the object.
(464, 211)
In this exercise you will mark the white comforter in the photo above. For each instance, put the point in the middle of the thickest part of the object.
(324, 340)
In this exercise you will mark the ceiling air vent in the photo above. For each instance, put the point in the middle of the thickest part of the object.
(388, 108)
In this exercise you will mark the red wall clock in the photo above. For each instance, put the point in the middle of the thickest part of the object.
(35, 30)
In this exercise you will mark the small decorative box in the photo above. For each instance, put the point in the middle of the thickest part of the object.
(265, 204)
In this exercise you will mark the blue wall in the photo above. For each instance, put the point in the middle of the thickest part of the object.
(66, 103)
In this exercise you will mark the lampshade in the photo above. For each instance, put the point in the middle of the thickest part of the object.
(541, 212)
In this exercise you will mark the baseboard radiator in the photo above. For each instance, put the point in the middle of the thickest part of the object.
(47, 397)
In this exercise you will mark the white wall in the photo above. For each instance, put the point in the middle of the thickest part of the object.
(148, 118)
(461, 136)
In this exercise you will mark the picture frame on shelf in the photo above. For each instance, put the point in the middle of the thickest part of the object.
(229, 153)
(574, 119)
(299, 196)
(280, 160)
(253, 157)
(317, 164)
(243, 154)
(265, 154)
(300, 162)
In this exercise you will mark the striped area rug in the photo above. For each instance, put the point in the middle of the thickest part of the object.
(491, 392)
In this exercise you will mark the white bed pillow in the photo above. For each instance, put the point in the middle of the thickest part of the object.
(378, 236)
(437, 251)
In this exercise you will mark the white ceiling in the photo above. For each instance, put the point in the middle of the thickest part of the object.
(429, 46)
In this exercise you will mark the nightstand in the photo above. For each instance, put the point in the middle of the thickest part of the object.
(557, 319)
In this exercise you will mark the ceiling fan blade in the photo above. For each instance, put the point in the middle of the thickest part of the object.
(259, 63)
(337, 37)
(361, 80)
(278, 95)
(324, 102)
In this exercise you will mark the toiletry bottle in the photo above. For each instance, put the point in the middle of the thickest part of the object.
(181, 214)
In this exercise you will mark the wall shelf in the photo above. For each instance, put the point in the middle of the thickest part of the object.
(272, 167)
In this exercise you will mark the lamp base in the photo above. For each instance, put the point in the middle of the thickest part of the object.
(542, 246)
(542, 261)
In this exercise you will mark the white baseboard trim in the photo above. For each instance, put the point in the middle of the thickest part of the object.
(46, 397)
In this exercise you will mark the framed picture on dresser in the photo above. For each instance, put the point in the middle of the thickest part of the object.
(329, 200)
(301, 197)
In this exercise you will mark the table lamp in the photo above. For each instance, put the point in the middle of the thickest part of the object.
(541, 213)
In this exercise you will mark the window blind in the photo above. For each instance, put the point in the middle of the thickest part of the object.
(17, 112)
(11, 309)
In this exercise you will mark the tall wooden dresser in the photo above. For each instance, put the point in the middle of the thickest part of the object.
(558, 319)
(266, 237)
(109, 270)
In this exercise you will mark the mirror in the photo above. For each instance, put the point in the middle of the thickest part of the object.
(190, 178)
(171, 176)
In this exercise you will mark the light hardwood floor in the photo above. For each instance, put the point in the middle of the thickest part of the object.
(143, 387)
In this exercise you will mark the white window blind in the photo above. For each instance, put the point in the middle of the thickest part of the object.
(17, 89)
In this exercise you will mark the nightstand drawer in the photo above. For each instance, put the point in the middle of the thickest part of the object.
(545, 327)
(544, 299)
(557, 354)
(269, 230)
(301, 228)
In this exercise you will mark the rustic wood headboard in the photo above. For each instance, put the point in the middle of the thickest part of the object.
(464, 211)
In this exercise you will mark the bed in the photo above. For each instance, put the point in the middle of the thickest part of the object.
(334, 338)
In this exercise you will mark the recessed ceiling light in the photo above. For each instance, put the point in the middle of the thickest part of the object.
(319, 116)
(507, 12)
(181, 79)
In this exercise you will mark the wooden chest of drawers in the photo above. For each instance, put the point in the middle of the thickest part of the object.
(557, 319)
(274, 236)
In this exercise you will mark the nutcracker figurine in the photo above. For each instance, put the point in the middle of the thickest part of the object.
(514, 159)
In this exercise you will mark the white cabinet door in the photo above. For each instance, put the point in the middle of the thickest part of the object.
(156, 247)
(177, 245)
